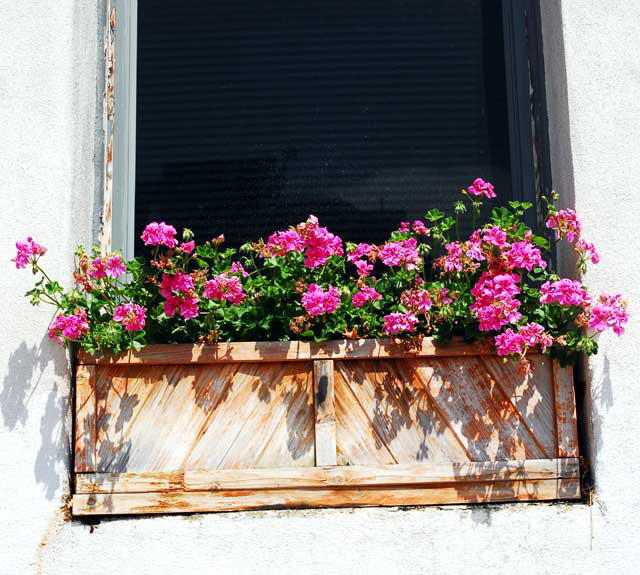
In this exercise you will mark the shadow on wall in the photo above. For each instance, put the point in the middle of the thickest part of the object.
(24, 375)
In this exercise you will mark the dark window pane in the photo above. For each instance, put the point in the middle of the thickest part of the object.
(253, 115)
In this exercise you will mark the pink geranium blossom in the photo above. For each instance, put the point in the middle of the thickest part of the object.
(587, 251)
(187, 306)
(159, 234)
(420, 228)
(403, 253)
(97, 269)
(69, 326)
(524, 255)
(114, 267)
(131, 315)
(417, 300)
(365, 294)
(238, 268)
(178, 290)
(188, 247)
(609, 313)
(364, 268)
(516, 342)
(360, 251)
(317, 301)
(28, 251)
(225, 287)
(397, 322)
(566, 224)
(565, 292)
(496, 236)
(495, 304)
(481, 188)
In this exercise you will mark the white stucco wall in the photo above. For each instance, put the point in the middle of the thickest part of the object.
(48, 156)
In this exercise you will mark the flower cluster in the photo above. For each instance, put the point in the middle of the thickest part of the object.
(131, 315)
(491, 285)
(159, 234)
(28, 251)
(317, 301)
(225, 287)
(72, 326)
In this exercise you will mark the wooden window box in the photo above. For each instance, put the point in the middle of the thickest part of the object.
(184, 428)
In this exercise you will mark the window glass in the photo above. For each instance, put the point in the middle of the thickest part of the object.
(252, 115)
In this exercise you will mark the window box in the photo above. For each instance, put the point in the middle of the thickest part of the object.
(255, 425)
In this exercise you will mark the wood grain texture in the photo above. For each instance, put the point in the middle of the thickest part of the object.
(201, 501)
(325, 412)
(129, 482)
(178, 354)
(85, 419)
(167, 418)
(361, 475)
(565, 409)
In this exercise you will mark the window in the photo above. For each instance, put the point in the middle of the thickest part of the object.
(242, 118)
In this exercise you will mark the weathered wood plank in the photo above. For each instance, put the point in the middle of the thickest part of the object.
(363, 475)
(384, 417)
(164, 418)
(200, 501)
(85, 419)
(531, 395)
(129, 482)
(565, 410)
(177, 354)
(477, 409)
(325, 412)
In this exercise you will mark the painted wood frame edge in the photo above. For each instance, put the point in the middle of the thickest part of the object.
(329, 476)
(239, 500)
(261, 351)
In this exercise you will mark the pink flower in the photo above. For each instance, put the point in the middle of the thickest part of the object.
(187, 306)
(452, 262)
(609, 312)
(566, 224)
(238, 268)
(364, 268)
(316, 301)
(360, 251)
(481, 188)
(528, 335)
(159, 234)
(27, 251)
(225, 287)
(317, 243)
(403, 253)
(524, 255)
(420, 229)
(495, 304)
(131, 315)
(97, 269)
(444, 297)
(114, 267)
(365, 294)
(69, 326)
(418, 300)
(404, 227)
(397, 322)
(178, 282)
(188, 247)
(564, 292)
(495, 236)
(587, 251)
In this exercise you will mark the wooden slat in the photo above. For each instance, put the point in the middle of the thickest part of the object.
(177, 354)
(325, 412)
(565, 408)
(85, 419)
(384, 417)
(363, 475)
(129, 482)
(200, 501)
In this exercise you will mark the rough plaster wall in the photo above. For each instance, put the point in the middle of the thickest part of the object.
(47, 116)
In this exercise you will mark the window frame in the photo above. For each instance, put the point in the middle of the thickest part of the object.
(527, 115)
